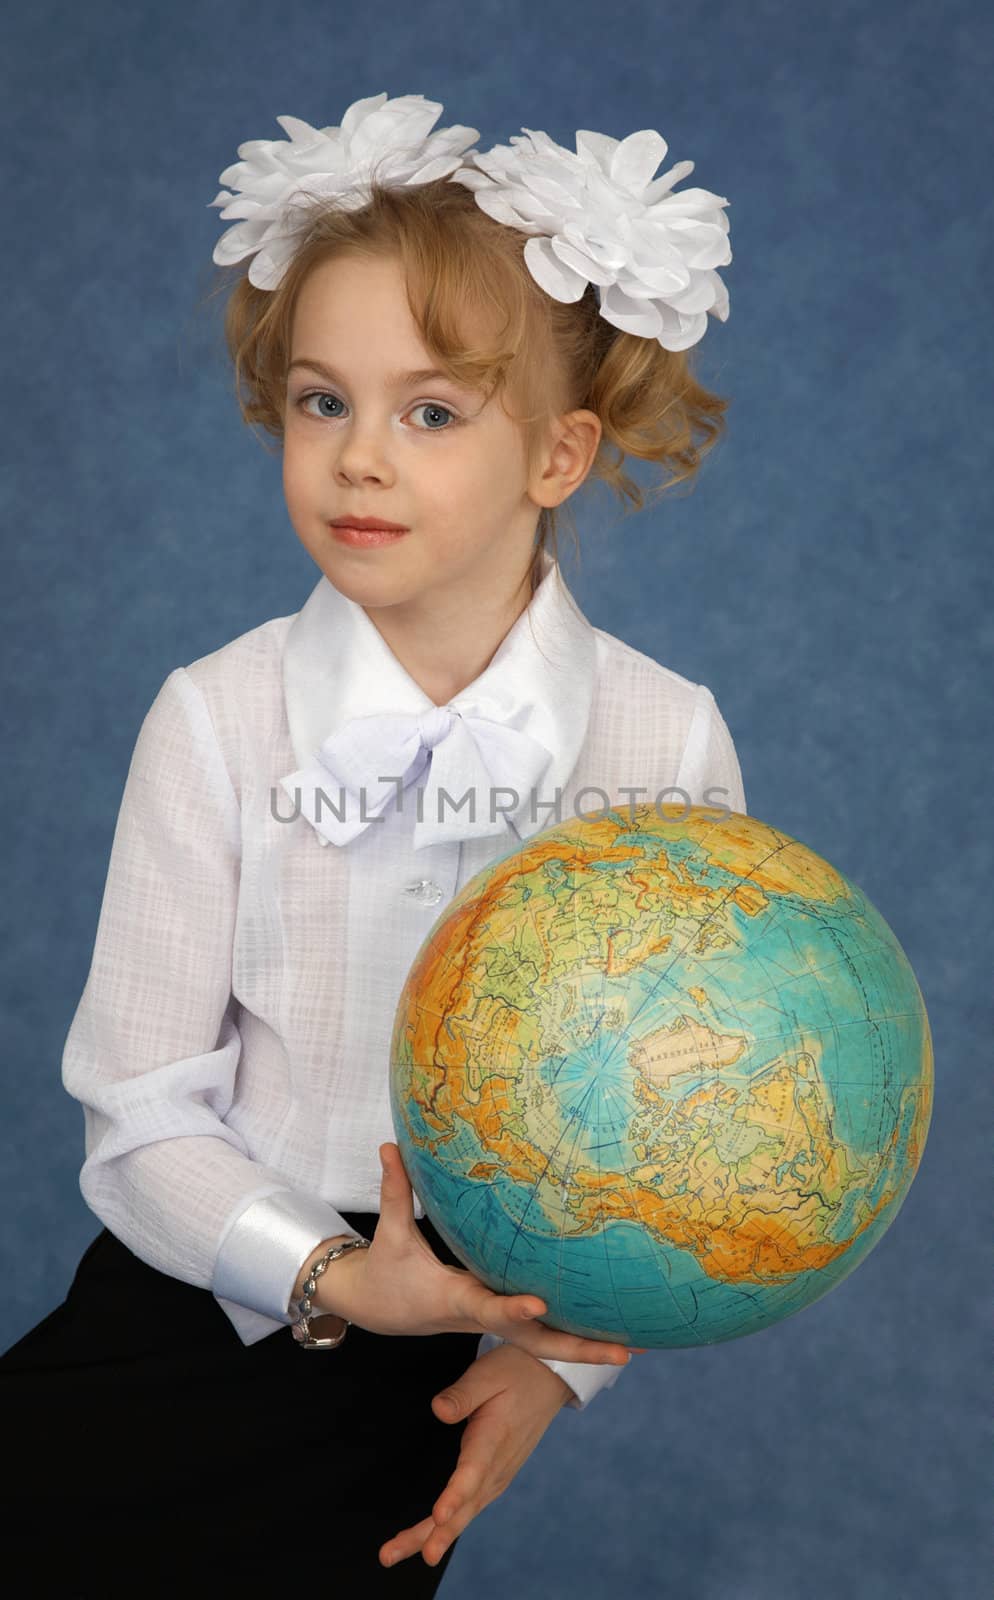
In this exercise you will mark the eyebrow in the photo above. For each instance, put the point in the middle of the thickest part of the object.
(399, 380)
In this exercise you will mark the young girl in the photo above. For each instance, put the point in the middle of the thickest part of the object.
(423, 336)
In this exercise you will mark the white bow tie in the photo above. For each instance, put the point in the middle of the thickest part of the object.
(476, 756)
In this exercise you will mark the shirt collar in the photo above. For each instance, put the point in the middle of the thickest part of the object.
(337, 665)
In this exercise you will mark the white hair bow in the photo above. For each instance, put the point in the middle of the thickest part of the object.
(280, 179)
(598, 216)
(595, 215)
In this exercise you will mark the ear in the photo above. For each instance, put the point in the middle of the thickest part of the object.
(572, 445)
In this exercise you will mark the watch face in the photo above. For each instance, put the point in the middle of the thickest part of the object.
(302, 1333)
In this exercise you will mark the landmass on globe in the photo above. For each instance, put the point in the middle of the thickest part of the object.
(689, 1048)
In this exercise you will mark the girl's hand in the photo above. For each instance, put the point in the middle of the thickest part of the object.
(399, 1286)
(510, 1399)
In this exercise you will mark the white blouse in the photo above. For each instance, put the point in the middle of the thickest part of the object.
(231, 1045)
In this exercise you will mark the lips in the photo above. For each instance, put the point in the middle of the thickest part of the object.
(377, 524)
(368, 538)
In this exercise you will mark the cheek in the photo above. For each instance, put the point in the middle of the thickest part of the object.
(298, 470)
(304, 505)
(459, 479)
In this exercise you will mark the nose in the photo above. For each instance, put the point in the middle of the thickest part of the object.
(362, 452)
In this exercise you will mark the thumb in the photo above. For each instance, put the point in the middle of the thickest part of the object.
(394, 1181)
(452, 1404)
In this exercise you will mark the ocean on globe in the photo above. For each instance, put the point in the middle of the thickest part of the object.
(665, 1068)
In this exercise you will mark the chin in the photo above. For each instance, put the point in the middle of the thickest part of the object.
(371, 587)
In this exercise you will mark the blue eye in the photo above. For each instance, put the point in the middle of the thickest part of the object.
(432, 405)
(423, 405)
(317, 395)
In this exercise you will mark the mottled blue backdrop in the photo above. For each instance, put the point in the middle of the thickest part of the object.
(826, 578)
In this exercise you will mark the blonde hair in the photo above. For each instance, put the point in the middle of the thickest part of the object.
(545, 356)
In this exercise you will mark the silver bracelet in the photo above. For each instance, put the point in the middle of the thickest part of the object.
(301, 1329)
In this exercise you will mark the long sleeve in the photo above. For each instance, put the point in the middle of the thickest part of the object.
(709, 773)
(153, 1049)
(709, 767)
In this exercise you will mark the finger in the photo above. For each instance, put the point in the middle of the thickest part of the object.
(548, 1344)
(460, 1399)
(425, 1537)
(393, 1174)
(438, 1542)
(571, 1347)
(515, 1318)
(396, 1194)
(495, 1312)
(406, 1543)
(461, 1491)
(462, 1498)
(448, 1530)
(517, 1312)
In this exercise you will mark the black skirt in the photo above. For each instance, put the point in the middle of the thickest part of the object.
(145, 1445)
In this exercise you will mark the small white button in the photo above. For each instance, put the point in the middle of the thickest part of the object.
(424, 890)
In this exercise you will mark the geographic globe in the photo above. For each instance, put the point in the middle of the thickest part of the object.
(666, 1069)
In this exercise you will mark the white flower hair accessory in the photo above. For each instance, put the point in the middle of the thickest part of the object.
(597, 218)
(279, 179)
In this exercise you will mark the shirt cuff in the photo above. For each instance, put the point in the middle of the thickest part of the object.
(585, 1378)
(263, 1250)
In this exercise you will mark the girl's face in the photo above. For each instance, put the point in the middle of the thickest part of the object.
(364, 437)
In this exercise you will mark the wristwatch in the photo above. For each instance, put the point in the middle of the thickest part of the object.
(301, 1329)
